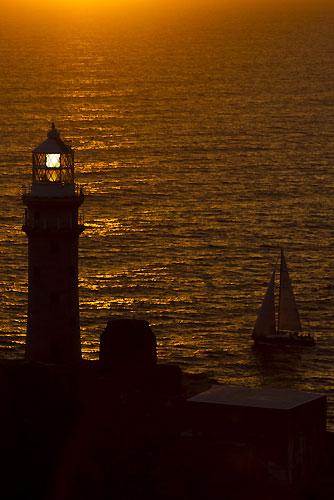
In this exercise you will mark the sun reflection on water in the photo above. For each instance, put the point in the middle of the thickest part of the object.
(104, 227)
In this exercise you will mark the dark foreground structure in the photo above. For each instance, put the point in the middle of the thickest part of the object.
(128, 428)
(265, 434)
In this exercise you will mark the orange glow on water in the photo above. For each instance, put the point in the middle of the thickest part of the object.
(139, 131)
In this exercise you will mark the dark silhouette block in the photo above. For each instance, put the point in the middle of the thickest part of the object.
(128, 343)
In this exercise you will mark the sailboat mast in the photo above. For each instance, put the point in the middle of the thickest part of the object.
(280, 292)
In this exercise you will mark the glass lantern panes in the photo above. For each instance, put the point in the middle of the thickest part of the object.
(53, 167)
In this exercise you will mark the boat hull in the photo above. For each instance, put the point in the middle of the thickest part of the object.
(284, 340)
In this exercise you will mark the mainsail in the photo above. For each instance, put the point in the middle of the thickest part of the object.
(265, 323)
(288, 316)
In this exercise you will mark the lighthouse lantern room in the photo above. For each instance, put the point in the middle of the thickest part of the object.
(53, 226)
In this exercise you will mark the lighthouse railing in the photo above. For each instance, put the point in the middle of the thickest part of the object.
(79, 188)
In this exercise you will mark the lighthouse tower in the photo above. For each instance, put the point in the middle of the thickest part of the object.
(53, 228)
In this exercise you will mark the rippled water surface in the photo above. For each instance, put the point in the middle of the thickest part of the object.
(203, 147)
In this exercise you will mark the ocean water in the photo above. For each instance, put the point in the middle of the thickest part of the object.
(203, 146)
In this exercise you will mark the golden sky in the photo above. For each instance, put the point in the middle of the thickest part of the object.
(153, 5)
(131, 12)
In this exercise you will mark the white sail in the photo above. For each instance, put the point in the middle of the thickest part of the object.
(288, 316)
(265, 323)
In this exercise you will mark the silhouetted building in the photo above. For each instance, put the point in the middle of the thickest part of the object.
(263, 436)
(53, 227)
(128, 343)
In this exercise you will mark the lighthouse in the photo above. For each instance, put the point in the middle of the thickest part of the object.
(53, 227)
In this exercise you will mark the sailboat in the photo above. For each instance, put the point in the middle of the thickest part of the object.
(287, 331)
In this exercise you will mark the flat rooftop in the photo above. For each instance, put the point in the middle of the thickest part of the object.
(232, 395)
